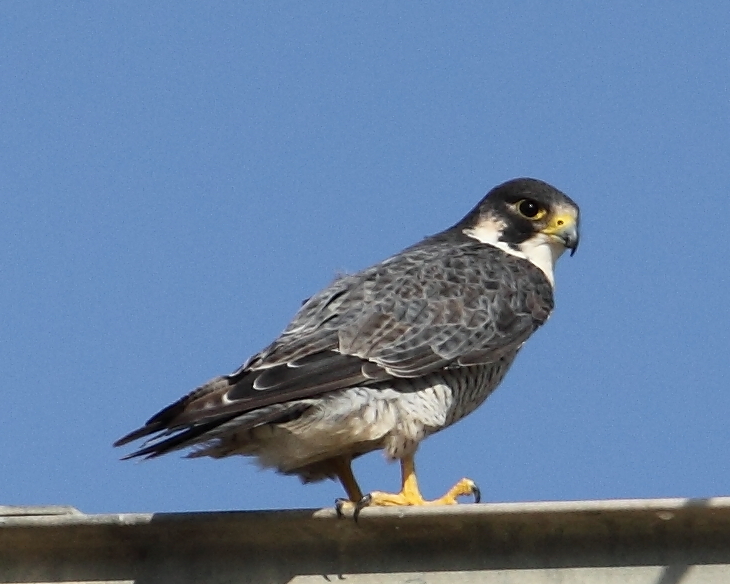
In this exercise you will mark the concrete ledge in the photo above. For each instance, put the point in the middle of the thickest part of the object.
(20, 511)
(664, 541)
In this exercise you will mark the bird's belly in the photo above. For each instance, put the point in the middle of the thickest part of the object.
(391, 416)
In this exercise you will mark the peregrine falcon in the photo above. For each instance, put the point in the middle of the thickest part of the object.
(381, 359)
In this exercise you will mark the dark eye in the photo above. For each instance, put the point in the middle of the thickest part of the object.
(529, 208)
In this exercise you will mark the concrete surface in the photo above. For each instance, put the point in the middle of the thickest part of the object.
(666, 541)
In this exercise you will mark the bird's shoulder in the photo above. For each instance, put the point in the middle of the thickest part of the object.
(445, 283)
(436, 269)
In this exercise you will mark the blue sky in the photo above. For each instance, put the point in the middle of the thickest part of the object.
(176, 177)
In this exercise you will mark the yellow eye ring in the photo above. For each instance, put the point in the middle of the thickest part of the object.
(530, 209)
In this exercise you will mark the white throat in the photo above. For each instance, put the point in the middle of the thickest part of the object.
(541, 250)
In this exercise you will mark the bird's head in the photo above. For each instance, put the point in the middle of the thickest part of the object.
(528, 218)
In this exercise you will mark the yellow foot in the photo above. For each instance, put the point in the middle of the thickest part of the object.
(462, 488)
(409, 497)
(409, 494)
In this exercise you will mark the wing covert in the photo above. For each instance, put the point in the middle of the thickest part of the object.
(426, 308)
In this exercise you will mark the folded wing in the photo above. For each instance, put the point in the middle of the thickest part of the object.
(427, 308)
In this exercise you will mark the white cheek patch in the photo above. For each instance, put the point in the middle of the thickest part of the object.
(488, 232)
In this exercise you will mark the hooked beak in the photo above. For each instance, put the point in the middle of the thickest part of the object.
(564, 228)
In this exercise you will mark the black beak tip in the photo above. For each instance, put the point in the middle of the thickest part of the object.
(573, 246)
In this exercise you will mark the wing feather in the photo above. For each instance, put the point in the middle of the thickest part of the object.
(430, 307)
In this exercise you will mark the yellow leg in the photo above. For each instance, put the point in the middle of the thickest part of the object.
(411, 495)
(344, 473)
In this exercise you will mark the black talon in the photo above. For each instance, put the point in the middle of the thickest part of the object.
(339, 504)
(360, 505)
(477, 494)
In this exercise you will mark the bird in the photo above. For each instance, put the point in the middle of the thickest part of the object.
(385, 357)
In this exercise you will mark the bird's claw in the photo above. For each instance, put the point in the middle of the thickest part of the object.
(462, 488)
(360, 505)
(408, 497)
(477, 493)
(340, 504)
(343, 505)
